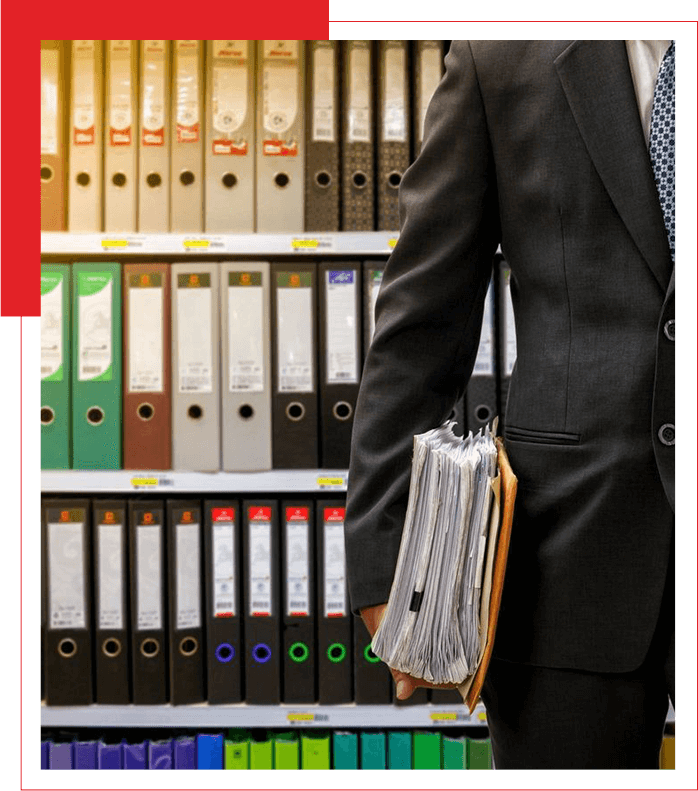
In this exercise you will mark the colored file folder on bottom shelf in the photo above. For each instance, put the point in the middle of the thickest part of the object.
(427, 750)
(399, 750)
(315, 750)
(479, 754)
(237, 750)
(160, 754)
(261, 751)
(184, 752)
(209, 751)
(373, 750)
(455, 751)
(286, 750)
(135, 755)
(345, 750)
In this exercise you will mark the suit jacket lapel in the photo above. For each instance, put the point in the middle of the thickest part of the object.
(596, 78)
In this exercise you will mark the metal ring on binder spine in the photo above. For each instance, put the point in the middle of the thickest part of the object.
(67, 647)
(47, 415)
(111, 647)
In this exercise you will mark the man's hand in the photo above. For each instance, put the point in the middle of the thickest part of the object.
(405, 683)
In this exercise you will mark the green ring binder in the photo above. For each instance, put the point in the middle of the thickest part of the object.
(299, 652)
(336, 652)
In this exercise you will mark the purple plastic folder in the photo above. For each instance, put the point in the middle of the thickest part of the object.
(109, 756)
(84, 755)
(135, 755)
(160, 754)
(60, 755)
(44, 755)
(185, 753)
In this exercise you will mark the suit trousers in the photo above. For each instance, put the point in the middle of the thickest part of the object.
(552, 718)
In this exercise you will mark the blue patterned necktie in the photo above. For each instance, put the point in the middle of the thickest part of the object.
(662, 141)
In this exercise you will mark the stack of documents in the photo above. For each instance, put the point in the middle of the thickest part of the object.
(437, 622)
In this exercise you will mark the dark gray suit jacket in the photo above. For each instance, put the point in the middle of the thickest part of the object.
(536, 145)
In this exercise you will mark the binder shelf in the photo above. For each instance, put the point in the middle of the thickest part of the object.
(279, 716)
(268, 244)
(173, 482)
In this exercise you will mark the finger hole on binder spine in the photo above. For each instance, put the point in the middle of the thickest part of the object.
(153, 179)
(483, 413)
(295, 411)
(261, 653)
(95, 415)
(282, 180)
(323, 179)
(47, 415)
(83, 179)
(359, 179)
(150, 647)
(145, 411)
(336, 652)
(47, 173)
(111, 647)
(394, 179)
(118, 179)
(195, 412)
(342, 410)
(188, 646)
(187, 177)
(225, 652)
(246, 411)
(67, 647)
(229, 180)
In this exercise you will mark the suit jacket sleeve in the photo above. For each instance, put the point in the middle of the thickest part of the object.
(428, 321)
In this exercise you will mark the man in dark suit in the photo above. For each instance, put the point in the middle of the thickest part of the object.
(542, 147)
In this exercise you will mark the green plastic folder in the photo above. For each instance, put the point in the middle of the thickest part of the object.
(479, 754)
(286, 750)
(427, 750)
(96, 366)
(399, 750)
(315, 750)
(373, 753)
(345, 750)
(261, 751)
(455, 751)
(237, 750)
(55, 367)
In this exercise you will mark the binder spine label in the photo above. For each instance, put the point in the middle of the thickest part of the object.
(279, 97)
(297, 562)
(66, 576)
(153, 94)
(49, 101)
(510, 325)
(429, 77)
(83, 93)
(52, 326)
(375, 284)
(188, 574)
(342, 341)
(395, 96)
(295, 332)
(223, 534)
(95, 326)
(187, 91)
(245, 332)
(109, 591)
(334, 564)
(148, 577)
(229, 96)
(194, 331)
(120, 108)
(323, 114)
(260, 593)
(145, 333)
(359, 117)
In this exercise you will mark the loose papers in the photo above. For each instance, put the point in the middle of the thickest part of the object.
(436, 621)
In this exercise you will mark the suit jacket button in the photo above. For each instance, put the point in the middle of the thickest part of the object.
(669, 329)
(666, 434)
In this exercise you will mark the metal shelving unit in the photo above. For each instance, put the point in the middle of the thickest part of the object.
(137, 244)
(279, 716)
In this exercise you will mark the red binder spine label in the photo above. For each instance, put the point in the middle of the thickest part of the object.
(260, 592)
